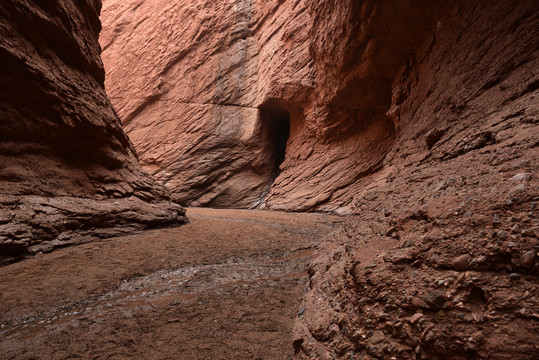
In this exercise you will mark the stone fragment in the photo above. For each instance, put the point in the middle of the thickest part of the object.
(461, 262)
(416, 317)
(520, 177)
(435, 299)
(528, 259)
(377, 337)
(419, 303)
(514, 276)
(392, 231)
(408, 243)
(516, 191)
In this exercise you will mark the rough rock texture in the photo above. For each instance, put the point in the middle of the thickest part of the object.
(206, 91)
(439, 258)
(68, 172)
(187, 79)
(425, 112)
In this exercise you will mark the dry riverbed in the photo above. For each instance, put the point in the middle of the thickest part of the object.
(226, 286)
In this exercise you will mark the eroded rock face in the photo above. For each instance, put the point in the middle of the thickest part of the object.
(187, 79)
(419, 119)
(68, 172)
(439, 257)
(206, 92)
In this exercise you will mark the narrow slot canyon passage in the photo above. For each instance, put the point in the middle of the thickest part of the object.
(276, 120)
(227, 285)
(386, 151)
(281, 130)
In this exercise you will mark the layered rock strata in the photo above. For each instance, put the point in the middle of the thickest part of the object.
(227, 106)
(439, 258)
(68, 172)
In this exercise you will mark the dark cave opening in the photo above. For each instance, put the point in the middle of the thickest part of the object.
(276, 120)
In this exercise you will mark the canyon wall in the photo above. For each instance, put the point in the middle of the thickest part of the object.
(227, 103)
(188, 80)
(419, 120)
(438, 259)
(68, 172)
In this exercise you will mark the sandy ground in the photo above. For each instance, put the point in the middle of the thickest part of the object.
(225, 286)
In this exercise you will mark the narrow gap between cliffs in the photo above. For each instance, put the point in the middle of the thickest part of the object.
(276, 130)
(277, 120)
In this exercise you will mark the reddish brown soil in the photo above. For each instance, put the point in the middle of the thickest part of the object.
(226, 286)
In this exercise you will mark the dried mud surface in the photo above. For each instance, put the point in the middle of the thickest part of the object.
(226, 286)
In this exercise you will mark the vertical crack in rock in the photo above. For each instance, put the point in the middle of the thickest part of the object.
(275, 120)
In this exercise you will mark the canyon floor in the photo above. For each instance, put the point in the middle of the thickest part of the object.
(226, 286)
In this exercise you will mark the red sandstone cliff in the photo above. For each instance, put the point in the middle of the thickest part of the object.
(419, 119)
(68, 173)
(207, 92)
(439, 258)
(194, 84)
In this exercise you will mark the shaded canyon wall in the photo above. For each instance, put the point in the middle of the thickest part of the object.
(438, 259)
(68, 172)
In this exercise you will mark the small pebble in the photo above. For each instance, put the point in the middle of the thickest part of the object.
(301, 311)
(461, 262)
(416, 317)
(514, 276)
(363, 301)
(480, 260)
(522, 163)
(516, 191)
(528, 260)
(496, 220)
(377, 337)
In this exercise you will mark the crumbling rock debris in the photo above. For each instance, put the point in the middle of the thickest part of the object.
(68, 172)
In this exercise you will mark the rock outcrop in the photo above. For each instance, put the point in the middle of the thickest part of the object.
(439, 257)
(201, 89)
(68, 172)
(227, 104)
